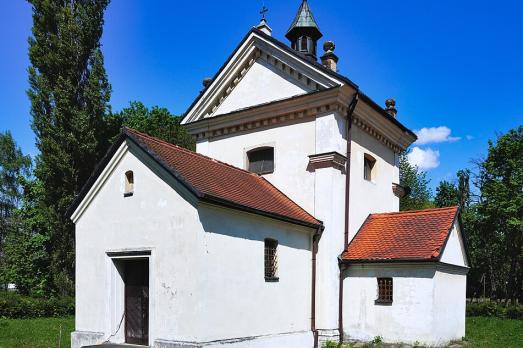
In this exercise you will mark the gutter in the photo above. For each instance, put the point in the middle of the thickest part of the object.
(315, 241)
(350, 112)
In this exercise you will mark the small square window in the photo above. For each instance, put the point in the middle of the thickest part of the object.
(271, 260)
(385, 293)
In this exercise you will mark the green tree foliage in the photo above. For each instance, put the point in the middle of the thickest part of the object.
(500, 181)
(157, 122)
(69, 95)
(13, 167)
(447, 195)
(416, 180)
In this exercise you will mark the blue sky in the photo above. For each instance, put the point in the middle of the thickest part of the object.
(454, 67)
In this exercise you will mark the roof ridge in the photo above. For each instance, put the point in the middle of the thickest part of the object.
(416, 212)
(190, 152)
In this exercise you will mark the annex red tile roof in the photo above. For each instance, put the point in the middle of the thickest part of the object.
(411, 235)
(221, 183)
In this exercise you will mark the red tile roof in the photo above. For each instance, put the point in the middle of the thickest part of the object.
(221, 183)
(411, 235)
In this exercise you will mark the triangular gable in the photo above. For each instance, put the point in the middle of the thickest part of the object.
(262, 83)
(455, 250)
(260, 58)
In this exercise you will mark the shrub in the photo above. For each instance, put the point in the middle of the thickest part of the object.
(493, 309)
(514, 312)
(330, 344)
(15, 306)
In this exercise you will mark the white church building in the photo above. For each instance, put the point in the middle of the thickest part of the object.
(283, 228)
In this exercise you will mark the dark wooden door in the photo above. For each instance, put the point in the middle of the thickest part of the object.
(137, 301)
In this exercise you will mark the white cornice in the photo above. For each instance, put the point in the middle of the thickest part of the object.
(303, 108)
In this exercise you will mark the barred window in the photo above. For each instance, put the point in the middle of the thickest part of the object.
(384, 290)
(271, 259)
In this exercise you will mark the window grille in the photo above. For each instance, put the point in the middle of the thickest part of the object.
(271, 259)
(261, 160)
(385, 291)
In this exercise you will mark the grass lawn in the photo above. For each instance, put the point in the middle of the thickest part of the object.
(494, 332)
(35, 333)
(44, 332)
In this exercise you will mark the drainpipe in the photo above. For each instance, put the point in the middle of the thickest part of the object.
(315, 241)
(350, 112)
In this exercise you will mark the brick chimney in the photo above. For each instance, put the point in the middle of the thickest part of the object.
(329, 59)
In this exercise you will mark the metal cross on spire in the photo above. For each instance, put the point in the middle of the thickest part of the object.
(263, 11)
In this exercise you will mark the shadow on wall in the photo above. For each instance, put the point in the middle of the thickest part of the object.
(237, 224)
(378, 271)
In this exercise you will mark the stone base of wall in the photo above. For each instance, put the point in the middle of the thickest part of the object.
(328, 335)
(303, 339)
(85, 338)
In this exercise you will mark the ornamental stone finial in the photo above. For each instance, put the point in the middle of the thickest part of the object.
(390, 105)
(329, 46)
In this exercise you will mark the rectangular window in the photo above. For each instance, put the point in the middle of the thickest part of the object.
(271, 259)
(368, 166)
(384, 290)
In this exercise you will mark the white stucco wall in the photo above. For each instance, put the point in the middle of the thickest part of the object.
(454, 252)
(261, 84)
(374, 196)
(206, 264)
(449, 304)
(292, 143)
(428, 303)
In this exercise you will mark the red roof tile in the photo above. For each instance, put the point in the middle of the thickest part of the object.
(221, 183)
(411, 235)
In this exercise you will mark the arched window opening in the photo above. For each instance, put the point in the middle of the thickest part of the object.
(129, 183)
(303, 44)
(369, 164)
(261, 160)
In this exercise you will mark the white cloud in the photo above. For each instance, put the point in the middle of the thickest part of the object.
(469, 137)
(434, 135)
(423, 159)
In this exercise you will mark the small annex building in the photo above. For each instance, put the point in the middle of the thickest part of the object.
(282, 229)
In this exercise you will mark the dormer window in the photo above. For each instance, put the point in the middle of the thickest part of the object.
(129, 183)
(261, 160)
(369, 164)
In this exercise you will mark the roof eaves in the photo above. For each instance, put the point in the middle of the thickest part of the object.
(219, 201)
(161, 162)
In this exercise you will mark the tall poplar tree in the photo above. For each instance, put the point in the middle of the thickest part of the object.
(69, 95)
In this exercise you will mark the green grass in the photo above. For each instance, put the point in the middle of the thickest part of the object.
(35, 333)
(44, 332)
(494, 332)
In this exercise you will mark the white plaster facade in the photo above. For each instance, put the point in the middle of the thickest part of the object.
(206, 280)
(428, 304)
(206, 271)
